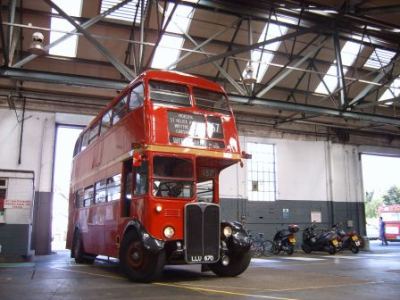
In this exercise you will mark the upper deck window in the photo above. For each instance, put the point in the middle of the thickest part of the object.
(169, 93)
(85, 140)
(137, 97)
(94, 132)
(173, 177)
(120, 109)
(105, 122)
(211, 100)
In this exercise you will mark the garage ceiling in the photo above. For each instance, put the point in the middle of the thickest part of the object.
(326, 66)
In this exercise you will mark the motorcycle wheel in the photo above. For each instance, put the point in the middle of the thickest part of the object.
(331, 250)
(307, 249)
(354, 248)
(290, 250)
(275, 249)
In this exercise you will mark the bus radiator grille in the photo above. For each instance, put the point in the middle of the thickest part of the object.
(202, 232)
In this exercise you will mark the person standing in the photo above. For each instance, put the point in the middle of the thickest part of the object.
(382, 231)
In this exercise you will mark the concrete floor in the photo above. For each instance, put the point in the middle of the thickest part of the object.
(367, 275)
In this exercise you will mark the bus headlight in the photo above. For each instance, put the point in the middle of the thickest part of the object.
(169, 232)
(227, 231)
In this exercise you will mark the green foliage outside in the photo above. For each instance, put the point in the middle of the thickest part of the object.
(372, 204)
(392, 196)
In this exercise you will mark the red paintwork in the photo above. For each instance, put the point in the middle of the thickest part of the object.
(102, 225)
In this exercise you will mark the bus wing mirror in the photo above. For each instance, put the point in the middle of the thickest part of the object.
(246, 155)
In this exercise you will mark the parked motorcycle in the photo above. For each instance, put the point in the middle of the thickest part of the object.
(321, 241)
(349, 240)
(285, 240)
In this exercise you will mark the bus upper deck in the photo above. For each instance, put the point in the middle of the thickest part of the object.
(167, 109)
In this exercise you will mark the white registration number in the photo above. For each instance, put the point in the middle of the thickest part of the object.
(205, 258)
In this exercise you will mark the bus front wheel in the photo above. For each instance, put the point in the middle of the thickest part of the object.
(237, 265)
(138, 263)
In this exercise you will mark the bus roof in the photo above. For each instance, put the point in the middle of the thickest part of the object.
(183, 78)
(163, 75)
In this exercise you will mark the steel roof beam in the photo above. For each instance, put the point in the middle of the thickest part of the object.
(339, 72)
(162, 31)
(319, 110)
(57, 78)
(382, 74)
(285, 71)
(220, 69)
(4, 44)
(246, 48)
(127, 73)
(85, 25)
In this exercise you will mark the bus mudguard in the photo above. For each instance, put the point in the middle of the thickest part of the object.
(150, 243)
(238, 241)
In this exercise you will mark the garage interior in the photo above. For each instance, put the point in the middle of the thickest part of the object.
(313, 85)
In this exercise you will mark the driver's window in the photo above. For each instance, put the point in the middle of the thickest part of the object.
(205, 191)
(172, 177)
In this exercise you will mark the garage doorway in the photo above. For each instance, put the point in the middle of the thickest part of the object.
(381, 177)
(66, 137)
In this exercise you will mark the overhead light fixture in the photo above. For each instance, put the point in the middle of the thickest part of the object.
(248, 77)
(37, 45)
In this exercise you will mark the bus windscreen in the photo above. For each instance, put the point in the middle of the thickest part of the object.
(210, 100)
(173, 177)
(169, 93)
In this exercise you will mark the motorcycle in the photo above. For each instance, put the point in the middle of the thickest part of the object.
(349, 240)
(285, 240)
(322, 241)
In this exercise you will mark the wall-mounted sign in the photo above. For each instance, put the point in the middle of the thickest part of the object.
(9, 203)
(316, 216)
(285, 213)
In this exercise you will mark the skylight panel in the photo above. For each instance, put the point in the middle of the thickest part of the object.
(164, 56)
(259, 58)
(67, 47)
(379, 58)
(125, 13)
(392, 92)
(348, 54)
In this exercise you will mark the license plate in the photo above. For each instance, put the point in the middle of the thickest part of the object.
(335, 243)
(198, 259)
(354, 238)
(357, 243)
(292, 240)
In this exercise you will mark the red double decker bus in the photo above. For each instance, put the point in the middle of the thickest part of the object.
(145, 179)
(391, 215)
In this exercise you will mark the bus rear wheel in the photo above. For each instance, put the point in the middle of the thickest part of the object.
(80, 256)
(138, 263)
(236, 266)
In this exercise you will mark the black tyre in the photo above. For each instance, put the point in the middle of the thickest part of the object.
(237, 265)
(276, 249)
(290, 250)
(138, 263)
(331, 250)
(306, 248)
(78, 253)
(354, 248)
